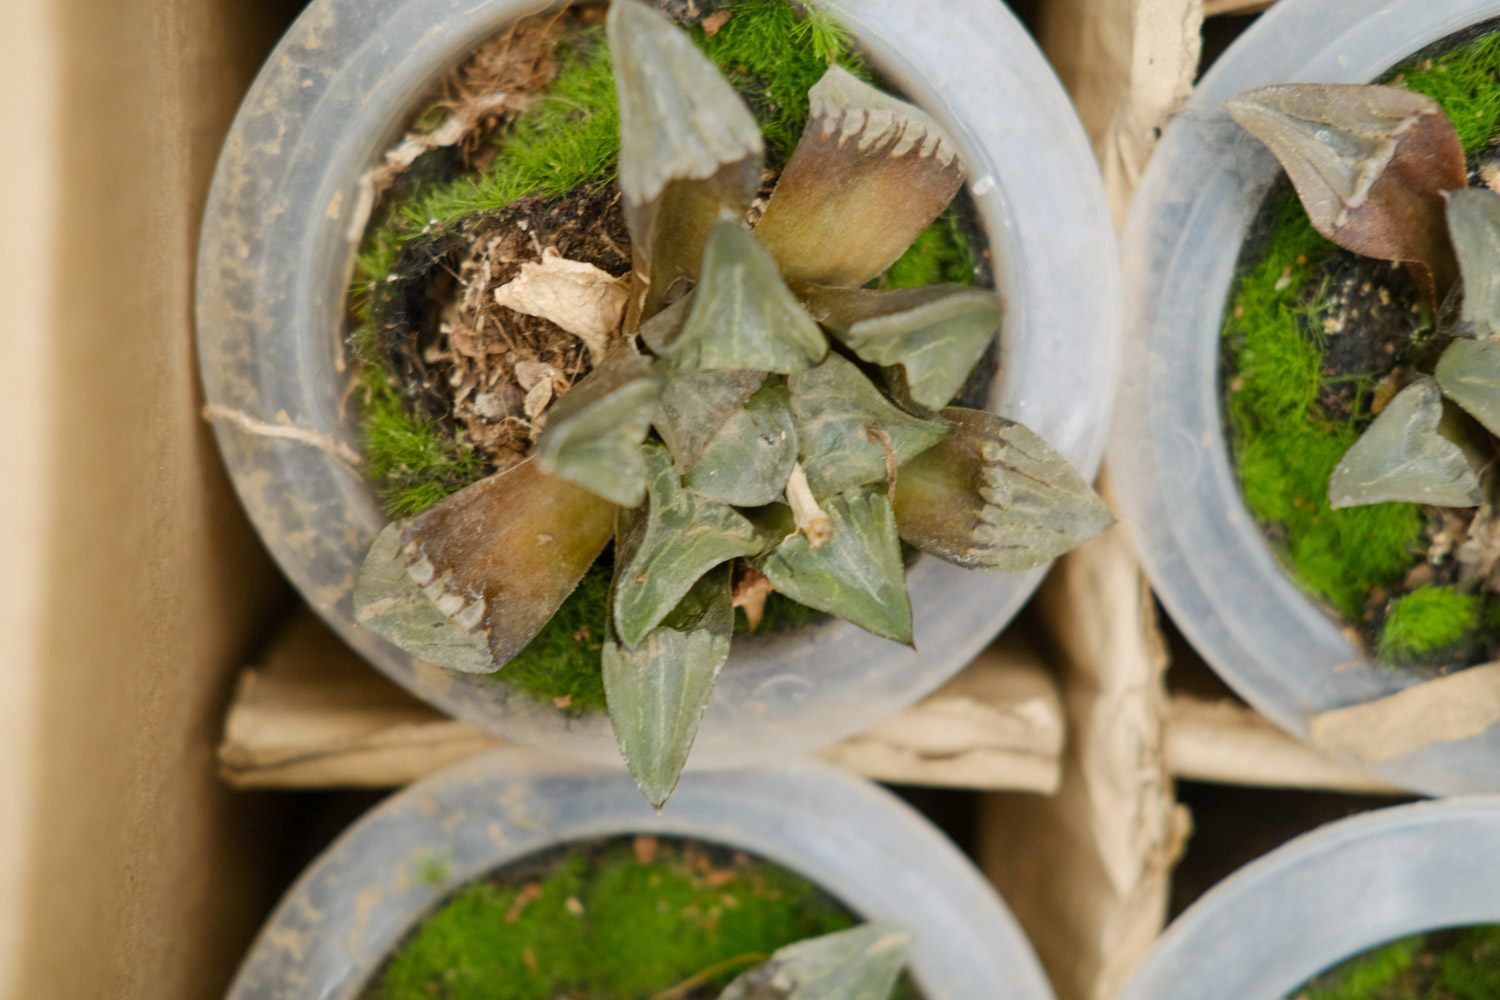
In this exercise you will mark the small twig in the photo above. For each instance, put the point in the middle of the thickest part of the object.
(337, 450)
(876, 433)
(811, 519)
(696, 980)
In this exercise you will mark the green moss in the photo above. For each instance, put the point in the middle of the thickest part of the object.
(415, 462)
(1446, 965)
(605, 926)
(1428, 619)
(563, 661)
(1466, 82)
(941, 255)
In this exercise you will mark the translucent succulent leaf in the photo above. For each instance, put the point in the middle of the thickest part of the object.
(666, 546)
(936, 334)
(695, 403)
(995, 496)
(594, 433)
(1474, 225)
(848, 433)
(1369, 163)
(856, 574)
(689, 149)
(868, 175)
(470, 581)
(861, 963)
(1469, 374)
(748, 462)
(743, 315)
(657, 691)
(1403, 457)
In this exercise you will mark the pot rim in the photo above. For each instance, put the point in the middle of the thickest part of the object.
(858, 842)
(275, 260)
(1202, 548)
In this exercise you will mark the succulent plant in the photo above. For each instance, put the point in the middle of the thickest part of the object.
(731, 412)
(1381, 172)
(861, 963)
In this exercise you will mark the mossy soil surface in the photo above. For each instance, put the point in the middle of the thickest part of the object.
(446, 372)
(1457, 964)
(622, 919)
(1316, 341)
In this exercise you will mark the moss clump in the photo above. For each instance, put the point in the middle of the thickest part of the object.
(1426, 620)
(1461, 964)
(941, 255)
(602, 924)
(1285, 444)
(562, 663)
(415, 462)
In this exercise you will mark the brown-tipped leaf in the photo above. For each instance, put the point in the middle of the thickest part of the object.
(1469, 374)
(937, 334)
(861, 963)
(689, 149)
(868, 175)
(743, 316)
(848, 434)
(696, 403)
(1402, 456)
(1474, 226)
(657, 691)
(469, 582)
(856, 574)
(995, 496)
(1370, 165)
(664, 547)
(594, 433)
(750, 459)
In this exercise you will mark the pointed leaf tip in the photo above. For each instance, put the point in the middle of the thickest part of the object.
(1474, 224)
(861, 963)
(1403, 456)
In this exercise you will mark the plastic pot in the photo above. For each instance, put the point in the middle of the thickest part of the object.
(1202, 547)
(854, 840)
(276, 257)
(1327, 896)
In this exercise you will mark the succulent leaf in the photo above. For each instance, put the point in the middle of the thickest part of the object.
(1369, 163)
(750, 459)
(664, 547)
(743, 315)
(1403, 456)
(657, 691)
(995, 496)
(1474, 225)
(868, 175)
(594, 433)
(470, 581)
(844, 425)
(937, 334)
(1469, 374)
(696, 403)
(856, 574)
(861, 963)
(689, 149)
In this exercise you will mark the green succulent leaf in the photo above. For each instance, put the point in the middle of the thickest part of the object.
(1404, 456)
(657, 691)
(594, 433)
(861, 963)
(1474, 226)
(470, 581)
(1370, 164)
(750, 459)
(743, 315)
(868, 175)
(695, 405)
(663, 548)
(995, 496)
(937, 334)
(1469, 374)
(856, 574)
(844, 424)
(689, 149)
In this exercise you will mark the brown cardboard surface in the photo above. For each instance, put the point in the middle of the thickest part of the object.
(1456, 707)
(127, 871)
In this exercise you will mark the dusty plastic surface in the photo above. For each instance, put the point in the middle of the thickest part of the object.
(1327, 896)
(1169, 457)
(275, 261)
(854, 840)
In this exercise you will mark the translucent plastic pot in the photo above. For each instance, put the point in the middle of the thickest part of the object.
(1203, 550)
(1328, 896)
(276, 257)
(852, 839)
